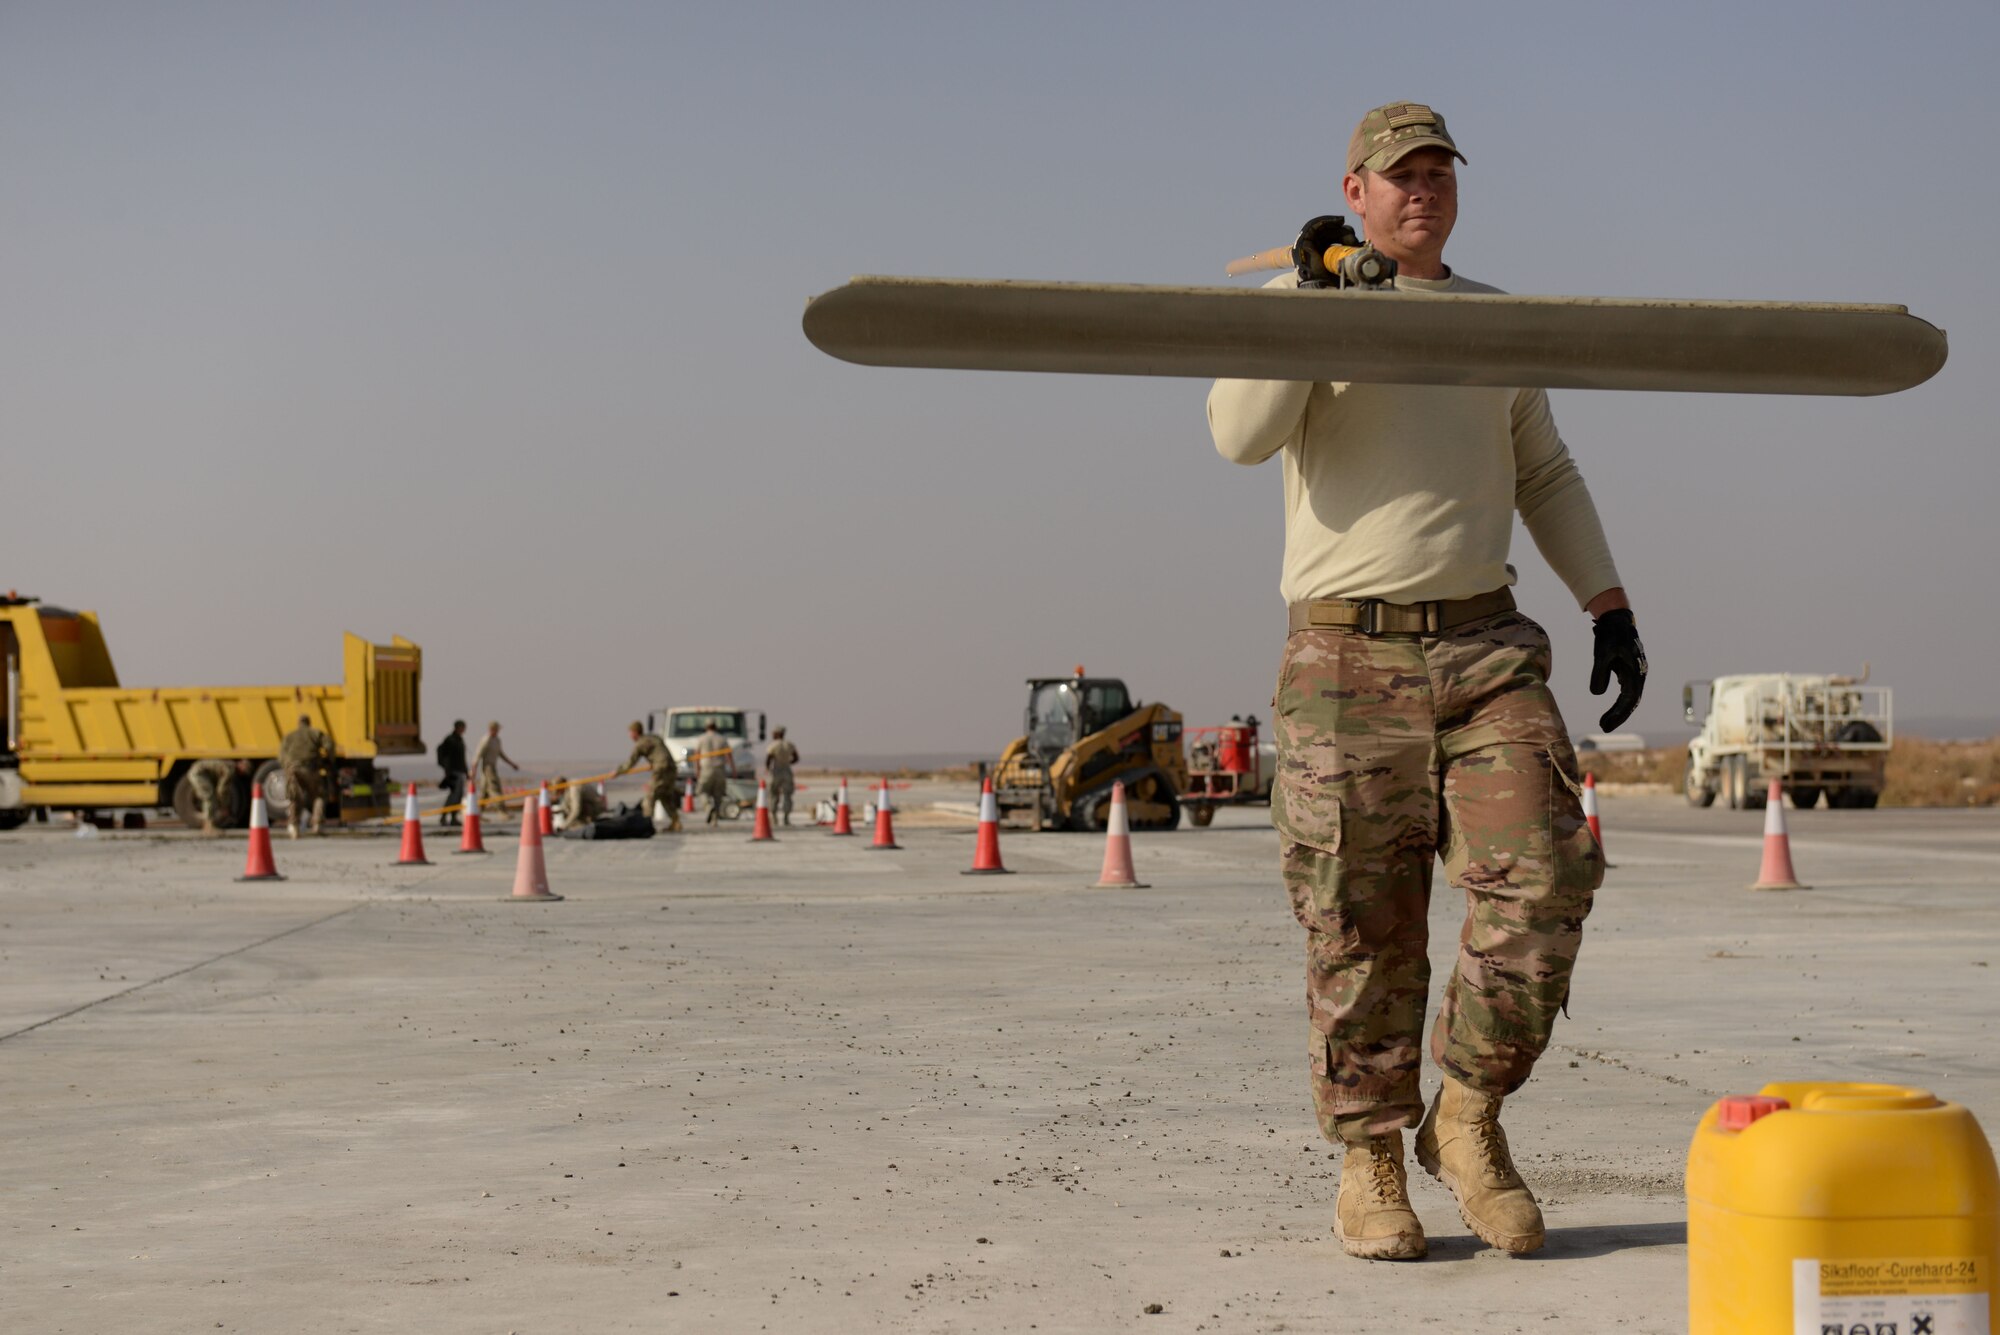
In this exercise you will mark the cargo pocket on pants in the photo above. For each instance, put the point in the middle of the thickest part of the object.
(1578, 868)
(1579, 862)
(1309, 826)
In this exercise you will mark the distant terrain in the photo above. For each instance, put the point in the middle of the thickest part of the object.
(1922, 773)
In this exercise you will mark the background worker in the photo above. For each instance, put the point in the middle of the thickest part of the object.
(581, 803)
(451, 759)
(779, 758)
(1414, 720)
(486, 762)
(715, 766)
(304, 754)
(214, 781)
(663, 786)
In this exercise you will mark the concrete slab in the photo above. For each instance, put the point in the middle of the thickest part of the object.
(803, 1086)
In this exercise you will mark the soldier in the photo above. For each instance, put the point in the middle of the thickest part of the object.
(486, 761)
(451, 759)
(1414, 719)
(664, 785)
(716, 767)
(305, 754)
(778, 760)
(581, 803)
(212, 780)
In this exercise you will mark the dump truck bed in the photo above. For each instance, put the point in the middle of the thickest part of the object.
(79, 738)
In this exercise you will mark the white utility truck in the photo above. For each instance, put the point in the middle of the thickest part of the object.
(681, 726)
(1813, 734)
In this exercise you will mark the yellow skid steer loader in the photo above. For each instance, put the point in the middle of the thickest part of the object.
(1083, 735)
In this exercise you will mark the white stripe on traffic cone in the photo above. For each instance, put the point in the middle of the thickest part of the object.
(1777, 873)
(1118, 870)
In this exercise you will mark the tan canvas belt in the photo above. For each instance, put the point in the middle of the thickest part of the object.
(1371, 616)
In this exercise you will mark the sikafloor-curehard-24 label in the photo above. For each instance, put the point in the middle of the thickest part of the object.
(1892, 1296)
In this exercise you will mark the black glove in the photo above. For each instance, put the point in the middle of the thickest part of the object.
(1618, 652)
(1315, 239)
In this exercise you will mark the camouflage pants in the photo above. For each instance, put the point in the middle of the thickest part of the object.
(213, 795)
(664, 789)
(1392, 751)
(302, 789)
(780, 796)
(714, 787)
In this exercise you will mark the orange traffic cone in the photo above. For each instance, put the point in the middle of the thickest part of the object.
(1777, 873)
(545, 814)
(260, 866)
(531, 874)
(471, 840)
(1118, 846)
(885, 827)
(762, 833)
(413, 834)
(1590, 812)
(687, 797)
(843, 819)
(986, 852)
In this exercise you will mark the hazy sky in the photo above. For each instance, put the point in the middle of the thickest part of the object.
(479, 323)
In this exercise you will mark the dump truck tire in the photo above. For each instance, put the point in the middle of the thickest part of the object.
(184, 804)
(236, 804)
(1805, 799)
(1202, 814)
(13, 818)
(277, 801)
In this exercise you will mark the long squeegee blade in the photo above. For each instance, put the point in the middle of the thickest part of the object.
(1716, 347)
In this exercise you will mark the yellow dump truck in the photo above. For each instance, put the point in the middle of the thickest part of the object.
(78, 740)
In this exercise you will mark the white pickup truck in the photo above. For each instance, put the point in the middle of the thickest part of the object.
(681, 726)
(1813, 734)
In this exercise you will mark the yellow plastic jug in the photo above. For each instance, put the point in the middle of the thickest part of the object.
(1823, 1208)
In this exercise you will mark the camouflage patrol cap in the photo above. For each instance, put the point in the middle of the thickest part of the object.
(1390, 131)
(633, 726)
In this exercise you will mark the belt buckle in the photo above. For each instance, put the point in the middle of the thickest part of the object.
(1369, 616)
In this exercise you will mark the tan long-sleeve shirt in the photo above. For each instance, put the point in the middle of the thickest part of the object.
(1407, 493)
(490, 754)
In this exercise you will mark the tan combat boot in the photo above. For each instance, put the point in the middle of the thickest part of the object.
(1372, 1215)
(1461, 1145)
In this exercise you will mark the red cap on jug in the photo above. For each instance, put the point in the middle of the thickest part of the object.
(1738, 1111)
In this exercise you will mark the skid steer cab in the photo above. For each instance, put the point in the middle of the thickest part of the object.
(1084, 734)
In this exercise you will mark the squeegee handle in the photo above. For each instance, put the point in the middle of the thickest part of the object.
(1277, 257)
